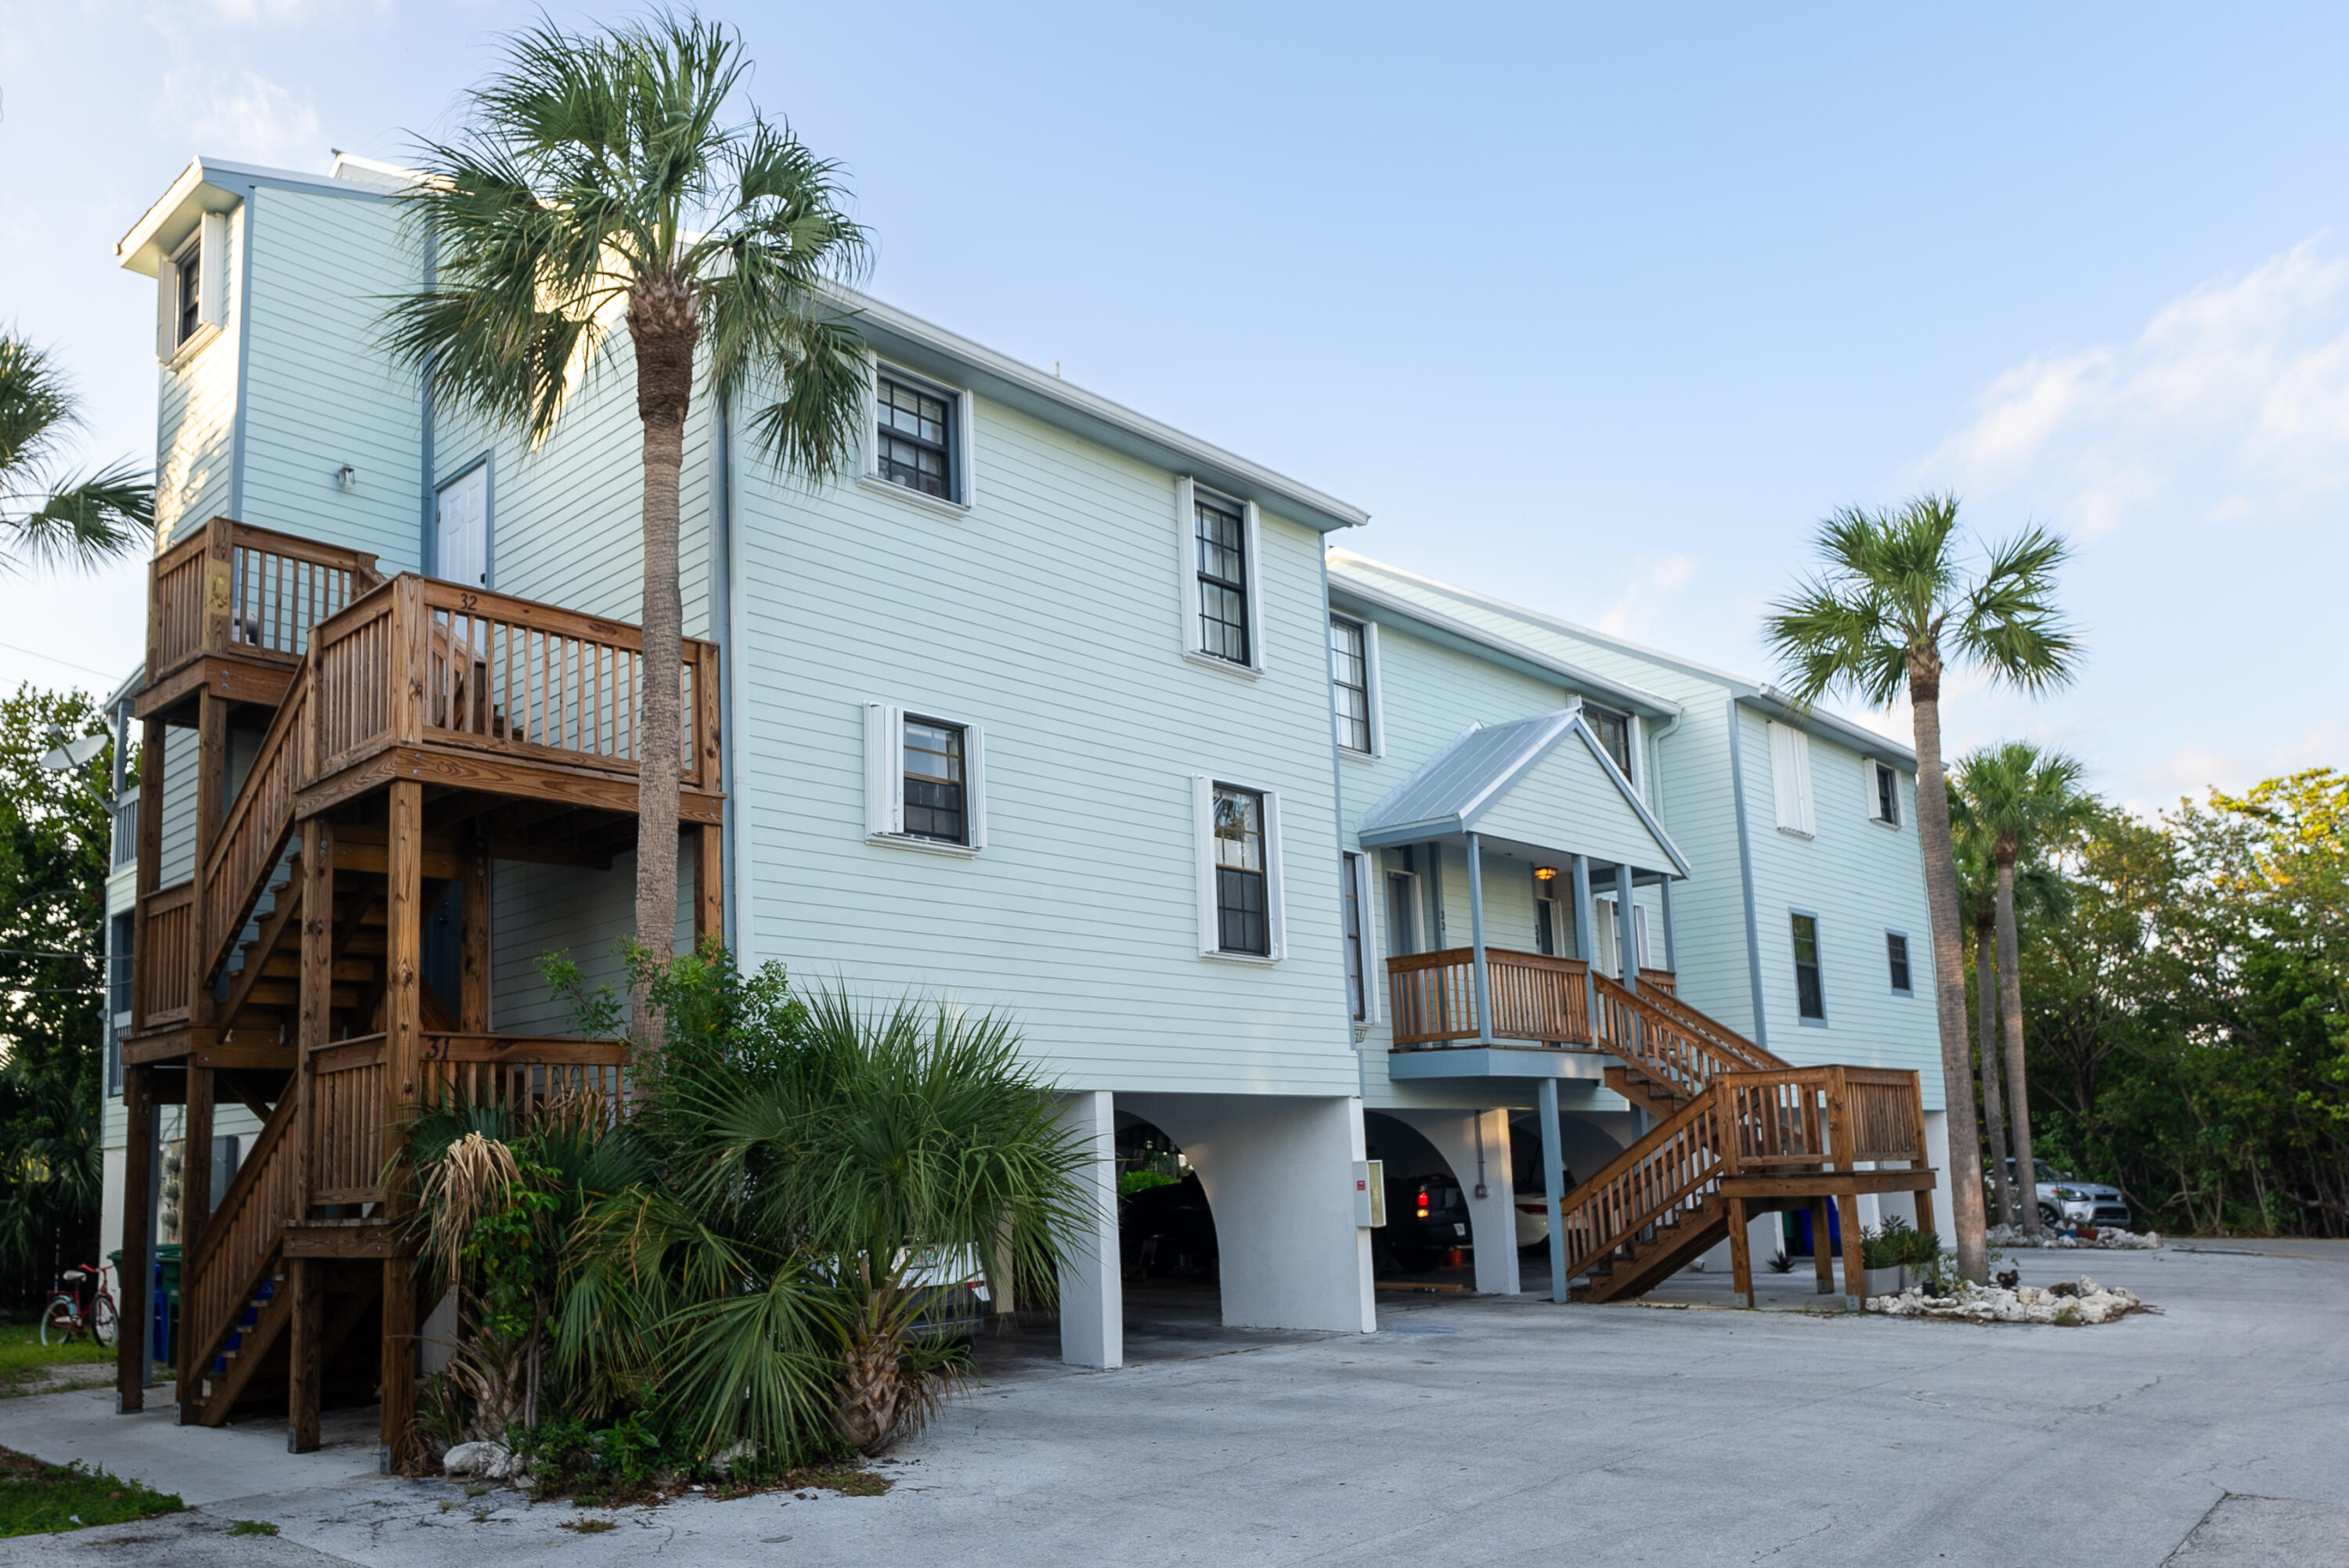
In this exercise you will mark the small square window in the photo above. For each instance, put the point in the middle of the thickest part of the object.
(912, 429)
(1810, 996)
(1242, 922)
(933, 782)
(1896, 953)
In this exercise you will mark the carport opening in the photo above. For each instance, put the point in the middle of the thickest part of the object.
(1165, 1229)
(1426, 1241)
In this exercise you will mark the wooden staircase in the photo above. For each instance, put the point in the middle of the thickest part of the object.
(1740, 1132)
(410, 732)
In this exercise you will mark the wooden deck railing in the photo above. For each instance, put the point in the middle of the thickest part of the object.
(1727, 1041)
(165, 987)
(253, 834)
(232, 588)
(502, 675)
(1534, 997)
(1662, 1041)
(1782, 1121)
(241, 1240)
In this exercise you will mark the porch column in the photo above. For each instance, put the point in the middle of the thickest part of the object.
(1553, 1183)
(1480, 980)
(1586, 942)
(1092, 1293)
(1672, 952)
(1627, 934)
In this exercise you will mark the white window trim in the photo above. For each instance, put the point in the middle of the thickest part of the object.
(1868, 766)
(1369, 892)
(1371, 697)
(1203, 834)
(966, 466)
(1187, 546)
(209, 241)
(885, 781)
(1635, 743)
(1606, 936)
(1790, 781)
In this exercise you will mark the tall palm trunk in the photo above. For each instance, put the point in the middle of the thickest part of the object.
(2010, 1005)
(1986, 1031)
(663, 324)
(1949, 966)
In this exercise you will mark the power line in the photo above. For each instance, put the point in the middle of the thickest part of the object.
(35, 652)
(51, 953)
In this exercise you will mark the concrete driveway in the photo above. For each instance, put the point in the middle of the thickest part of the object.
(1474, 1431)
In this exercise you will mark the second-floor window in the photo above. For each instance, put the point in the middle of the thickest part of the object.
(1221, 530)
(1883, 795)
(1350, 683)
(1614, 732)
(1810, 995)
(914, 437)
(933, 782)
(1895, 954)
(188, 265)
(1243, 921)
(1354, 876)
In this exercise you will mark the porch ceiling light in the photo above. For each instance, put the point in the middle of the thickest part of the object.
(1545, 873)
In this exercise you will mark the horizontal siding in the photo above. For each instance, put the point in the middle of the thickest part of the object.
(320, 391)
(196, 427)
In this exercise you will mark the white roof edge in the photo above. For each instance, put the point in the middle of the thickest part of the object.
(1582, 680)
(1052, 389)
(1741, 687)
(1842, 730)
(199, 173)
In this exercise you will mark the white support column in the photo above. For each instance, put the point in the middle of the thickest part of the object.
(1553, 1184)
(1481, 980)
(1092, 1293)
(1627, 932)
(1492, 1218)
(1671, 948)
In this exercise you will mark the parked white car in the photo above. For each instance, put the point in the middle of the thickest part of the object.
(2065, 1199)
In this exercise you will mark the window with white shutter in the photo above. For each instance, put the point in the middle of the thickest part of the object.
(924, 780)
(191, 288)
(1790, 779)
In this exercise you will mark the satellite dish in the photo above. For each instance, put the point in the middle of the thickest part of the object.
(73, 753)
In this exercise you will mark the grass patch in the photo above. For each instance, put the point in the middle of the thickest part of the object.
(37, 1497)
(30, 1366)
(846, 1479)
(588, 1526)
(253, 1527)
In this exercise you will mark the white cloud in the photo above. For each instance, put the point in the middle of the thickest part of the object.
(2196, 767)
(250, 119)
(248, 13)
(2239, 387)
(1653, 580)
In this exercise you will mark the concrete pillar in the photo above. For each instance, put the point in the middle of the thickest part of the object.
(1278, 1175)
(1092, 1293)
(1492, 1219)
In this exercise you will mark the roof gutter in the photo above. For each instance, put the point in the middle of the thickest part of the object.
(1826, 726)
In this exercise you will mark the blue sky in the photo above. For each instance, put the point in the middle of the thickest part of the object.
(1598, 311)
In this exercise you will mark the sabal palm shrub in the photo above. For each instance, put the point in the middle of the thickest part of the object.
(747, 1259)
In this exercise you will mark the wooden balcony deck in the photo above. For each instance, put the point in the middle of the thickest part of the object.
(1536, 999)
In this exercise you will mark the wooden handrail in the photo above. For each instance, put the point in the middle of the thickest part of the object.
(1534, 997)
(254, 830)
(1703, 1024)
(230, 587)
(163, 984)
(1656, 1042)
(240, 1242)
(1673, 1167)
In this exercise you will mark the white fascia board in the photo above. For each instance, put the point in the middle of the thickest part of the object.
(1464, 638)
(1824, 726)
(205, 186)
(935, 351)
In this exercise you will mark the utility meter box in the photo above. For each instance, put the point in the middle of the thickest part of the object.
(1369, 1192)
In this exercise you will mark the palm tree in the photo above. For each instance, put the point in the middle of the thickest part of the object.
(1977, 901)
(599, 185)
(49, 520)
(2022, 799)
(1876, 620)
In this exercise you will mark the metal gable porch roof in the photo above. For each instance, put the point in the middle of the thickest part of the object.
(1456, 786)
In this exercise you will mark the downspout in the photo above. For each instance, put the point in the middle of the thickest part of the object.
(1746, 872)
(722, 625)
(425, 540)
(1655, 782)
(243, 359)
(1362, 894)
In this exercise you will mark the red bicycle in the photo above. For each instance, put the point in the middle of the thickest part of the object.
(66, 1319)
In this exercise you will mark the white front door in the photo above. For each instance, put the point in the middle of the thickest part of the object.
(461, 532)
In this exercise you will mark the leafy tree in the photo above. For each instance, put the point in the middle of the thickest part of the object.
(55, 829)
(598, 186)
(1888, 605)
(1978, 907)
(2019, 799)
(45, 517)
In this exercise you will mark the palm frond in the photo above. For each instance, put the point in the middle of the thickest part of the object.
(2010, 624)
(87, 521)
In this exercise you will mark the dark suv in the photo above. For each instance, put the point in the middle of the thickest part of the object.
(1427, 1216)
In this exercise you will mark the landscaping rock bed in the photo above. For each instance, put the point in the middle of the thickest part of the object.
(2066, 1305)
(2111, 1237)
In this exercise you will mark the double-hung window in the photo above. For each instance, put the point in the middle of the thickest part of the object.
(1239, 830)
(1351, 685)
(925, 785)
(1810, 995)
(1883, 794)
(1222, 619)
(191, 287)
(1221, 529)
(913, 437)
(1895, 954)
